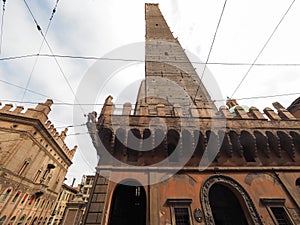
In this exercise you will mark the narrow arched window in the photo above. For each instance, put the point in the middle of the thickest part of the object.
(24, 166)
(17, 195)
(37, 174)
(12, 220)
(297, 183)
(21, 220)
(5, 194)
(2, 219)
(24, 198)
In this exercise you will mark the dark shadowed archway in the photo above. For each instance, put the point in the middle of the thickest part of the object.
(128, 204)
(226, 202)
(225, 206)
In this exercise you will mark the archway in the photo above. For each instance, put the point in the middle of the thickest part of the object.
(225, 206)
(225, 201)
(128, 205)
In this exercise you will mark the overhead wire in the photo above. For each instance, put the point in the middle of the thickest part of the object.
(121, 104)
(260, 97)
(40, 48)
(33, 92)
(55, 59)
(137, 60)
(214, 38)
(263, 48)
(211, 46)
(2, 25)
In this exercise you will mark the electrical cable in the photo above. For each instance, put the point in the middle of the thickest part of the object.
(49, 47)
(39, 51)
(2, 25)
(213, 41)
(31, 91)
(120, 104)
(211, 47)
(263, 48)
(142, 61)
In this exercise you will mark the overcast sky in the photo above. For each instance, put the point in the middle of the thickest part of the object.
(97, 27)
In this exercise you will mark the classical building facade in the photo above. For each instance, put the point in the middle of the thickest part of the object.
(179, 160)
(86, 186)
(33, 163)
(66, 194)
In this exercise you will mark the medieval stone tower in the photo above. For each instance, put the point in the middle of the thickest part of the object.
(179, 160)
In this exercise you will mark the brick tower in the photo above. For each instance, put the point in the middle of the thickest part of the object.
(179, 160)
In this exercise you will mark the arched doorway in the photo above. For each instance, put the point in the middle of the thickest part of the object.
(128, 205)
(225, 206)
(226, 202)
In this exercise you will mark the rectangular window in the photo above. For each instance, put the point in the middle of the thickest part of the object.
(280, 215)
(182, 216)
(278, 211)
(180, 211)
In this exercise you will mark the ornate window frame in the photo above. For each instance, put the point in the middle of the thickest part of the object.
(222, 179)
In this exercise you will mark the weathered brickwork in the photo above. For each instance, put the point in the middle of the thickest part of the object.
(253, 177)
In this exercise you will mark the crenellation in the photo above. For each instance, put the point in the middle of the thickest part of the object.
(50, 128)
(126, 109)
(44, 107)
(144, 110)
(47, 124)
(6, 108)
(256, 114)
(241, 112)
(18, 109)
(271, 114)
(285, 115)
(161, 109)
(63, 134)
(225, 112)
(177, 110)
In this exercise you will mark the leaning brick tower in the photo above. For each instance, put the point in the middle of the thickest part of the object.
(176, 159)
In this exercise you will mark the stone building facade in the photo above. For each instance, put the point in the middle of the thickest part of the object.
(179, 160)
(66, 194)
(86, 186)
(33, 163)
